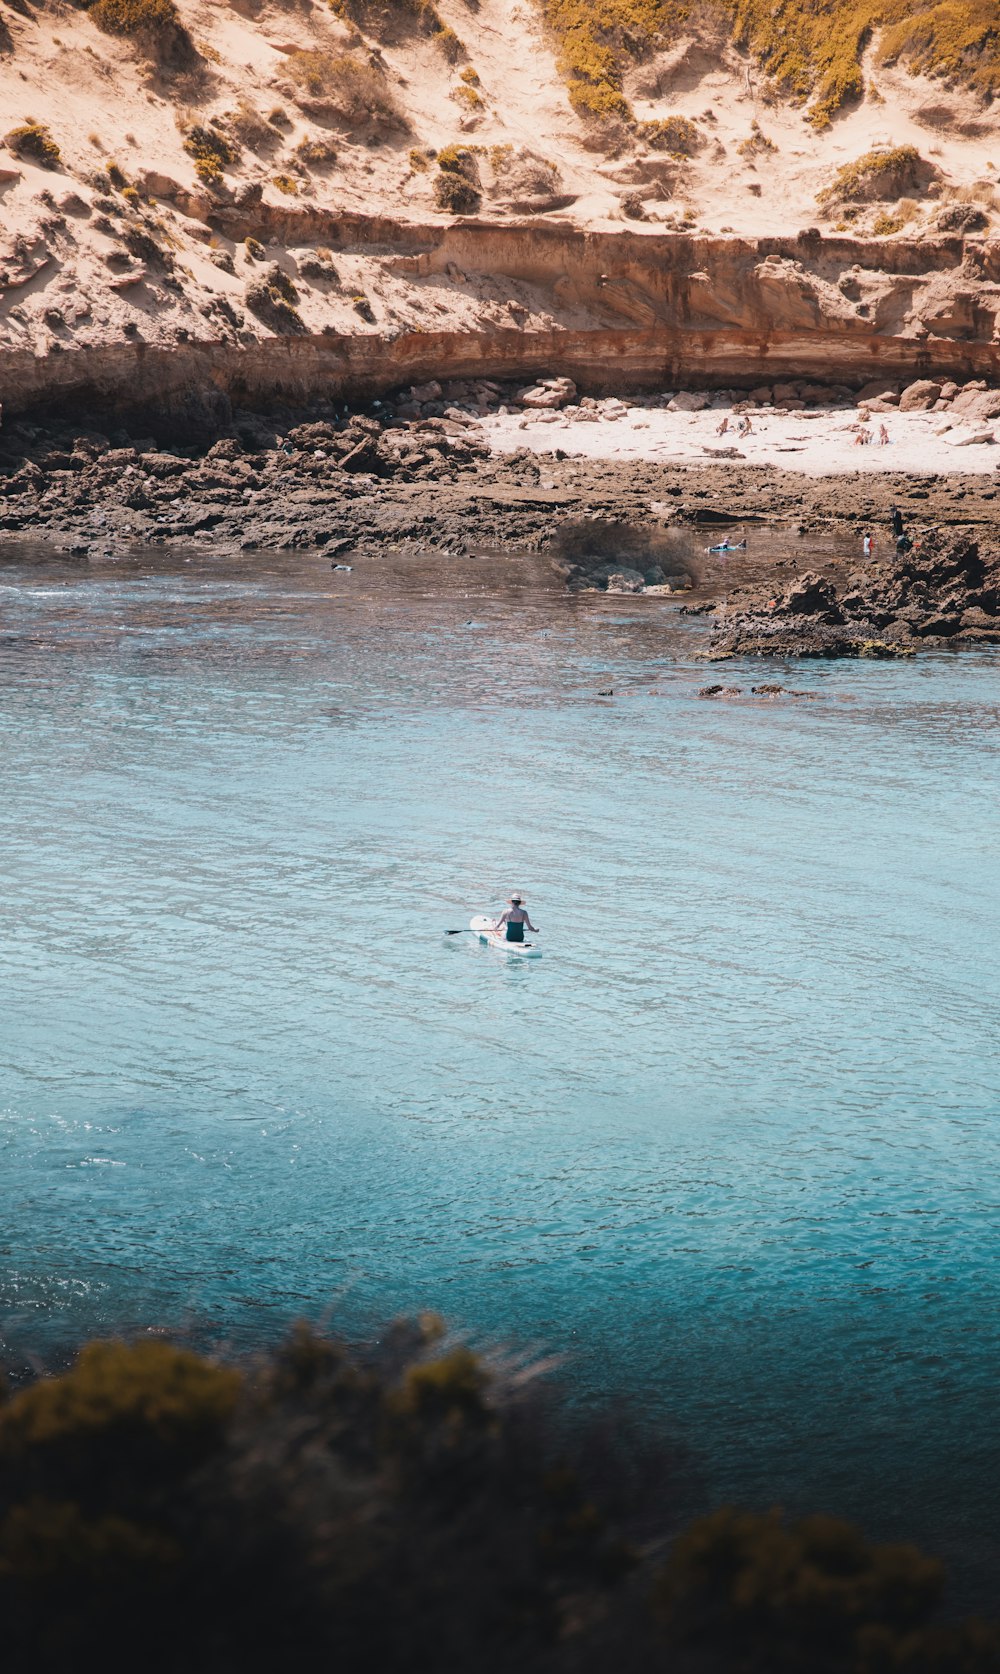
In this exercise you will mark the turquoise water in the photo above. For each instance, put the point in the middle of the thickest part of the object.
(730, 1147)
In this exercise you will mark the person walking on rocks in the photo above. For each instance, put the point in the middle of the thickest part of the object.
(866, 546)
(897, 521)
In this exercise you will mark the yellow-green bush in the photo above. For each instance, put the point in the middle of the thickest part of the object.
(813, 48)
(123, 1407)
(212, 152)
(33, 141)
(316, 153)
(598, 39)
(152, 24)
(877, 175)
(272, 297)
(676, 134)
(808, 1593)
(449, 42)
(455, 195)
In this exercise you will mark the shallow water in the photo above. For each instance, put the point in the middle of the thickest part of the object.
(731, 1145)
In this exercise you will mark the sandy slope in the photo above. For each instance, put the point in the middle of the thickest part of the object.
(64, 283)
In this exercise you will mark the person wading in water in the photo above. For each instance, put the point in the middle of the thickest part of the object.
(515, 918)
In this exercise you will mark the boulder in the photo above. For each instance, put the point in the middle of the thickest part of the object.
(425, 392)
(919, 397)
(548, 393)
(879, 389)
(364, 457)
(977, 403)
(686, 401)
(975, 438)
(810, 595)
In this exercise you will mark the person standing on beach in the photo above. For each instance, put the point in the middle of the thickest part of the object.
(866, 546)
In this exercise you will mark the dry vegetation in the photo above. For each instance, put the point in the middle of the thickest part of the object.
(349, 90)
(272, 297)
(675, 134)
(457, 186)
(33, 141)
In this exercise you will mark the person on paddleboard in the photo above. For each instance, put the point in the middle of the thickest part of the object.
(515, 919)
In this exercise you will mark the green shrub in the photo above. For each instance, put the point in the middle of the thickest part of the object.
(449, 43)
(153, 24)
(456, 196)
(254, 249)
(599, 39)
(272, 297)
(316, 153)
(877, 175)
(123, 1407)
(33, 141)
(212, 151)
(459, 159)
(409, 1507)
(675, 134)
(286, 184)
(814, 48)
(362, 306)
(802, 1595)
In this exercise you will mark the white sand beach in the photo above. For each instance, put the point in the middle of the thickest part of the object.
(817, 443)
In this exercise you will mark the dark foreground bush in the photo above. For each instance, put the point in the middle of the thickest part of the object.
(164, 1512)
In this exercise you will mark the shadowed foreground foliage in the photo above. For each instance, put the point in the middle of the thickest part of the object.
(405, 1511)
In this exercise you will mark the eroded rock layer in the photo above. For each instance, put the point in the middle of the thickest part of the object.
(619, 311)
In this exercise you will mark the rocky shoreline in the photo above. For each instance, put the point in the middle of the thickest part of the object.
(943, 589)
(416, 473)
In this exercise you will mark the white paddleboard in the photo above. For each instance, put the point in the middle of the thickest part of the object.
(483, 927)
